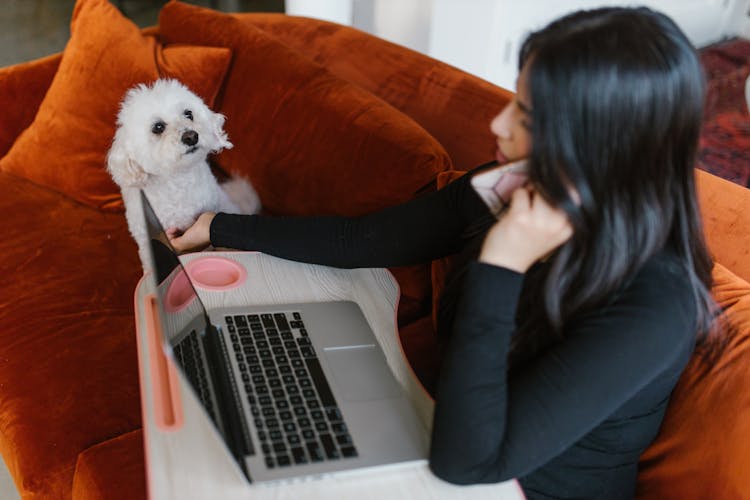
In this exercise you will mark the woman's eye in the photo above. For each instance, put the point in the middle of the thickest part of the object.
(158, 128)
(188, 114)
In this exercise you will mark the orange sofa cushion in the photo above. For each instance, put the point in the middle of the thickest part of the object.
(68, 361)
(66, 145)
(725, 207)
(310, 142)
(114, 469)
(702, 448)
(22, 89)
(422, 87)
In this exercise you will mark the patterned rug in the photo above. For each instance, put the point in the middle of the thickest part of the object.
(725, 140)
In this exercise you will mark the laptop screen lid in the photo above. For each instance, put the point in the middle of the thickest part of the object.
(182, 312)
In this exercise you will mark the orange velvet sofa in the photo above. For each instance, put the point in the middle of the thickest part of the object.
(325, 119)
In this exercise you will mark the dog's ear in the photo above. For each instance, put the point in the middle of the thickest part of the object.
(220, 139)
(125, 171)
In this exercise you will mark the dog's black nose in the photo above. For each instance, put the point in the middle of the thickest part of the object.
(190, 138)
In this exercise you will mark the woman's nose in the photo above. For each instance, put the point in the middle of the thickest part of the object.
(500, 125)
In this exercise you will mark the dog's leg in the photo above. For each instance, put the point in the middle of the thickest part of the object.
(238, 196)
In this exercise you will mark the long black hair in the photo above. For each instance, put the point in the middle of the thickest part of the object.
(617, 97)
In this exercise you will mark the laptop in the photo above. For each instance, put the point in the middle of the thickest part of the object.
(294, 390)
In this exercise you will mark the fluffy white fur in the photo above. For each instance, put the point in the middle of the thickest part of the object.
(164, 135)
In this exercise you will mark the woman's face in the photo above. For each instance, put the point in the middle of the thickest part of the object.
(512, 127)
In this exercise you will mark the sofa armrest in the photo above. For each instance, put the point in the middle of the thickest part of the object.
(22, 88)
(454, 106)
(725, 207)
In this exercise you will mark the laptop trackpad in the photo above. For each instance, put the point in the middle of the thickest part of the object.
(361, 373)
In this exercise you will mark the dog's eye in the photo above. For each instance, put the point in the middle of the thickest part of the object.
(158, 128)
(188, 114)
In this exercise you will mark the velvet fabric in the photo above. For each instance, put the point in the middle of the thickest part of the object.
(701, 450)
(286, 116)
(65, 147)
(428, 90)
(23, 89)
(68, 361)
(725, 207)
(112, 470)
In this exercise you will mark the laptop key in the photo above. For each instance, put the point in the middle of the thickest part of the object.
(344, 440)
(292, 389)
(349, 451)
(334, 414)
(329, 446)
(339, 428)
(316, 454)
(283, 460)
(240, 321)
(324, 390)
(269, 463)
(308, 434)
(303, 341)
(267, 320)
(299, 456)
(286, 416)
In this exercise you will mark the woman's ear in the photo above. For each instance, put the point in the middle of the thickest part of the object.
(125, 171)
(220, 139)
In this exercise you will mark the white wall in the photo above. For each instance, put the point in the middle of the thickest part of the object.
(483, 36)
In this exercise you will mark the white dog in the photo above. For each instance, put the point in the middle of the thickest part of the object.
(164, 135)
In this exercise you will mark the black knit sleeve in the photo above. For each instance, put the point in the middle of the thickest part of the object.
(418, 231)
(489, 426)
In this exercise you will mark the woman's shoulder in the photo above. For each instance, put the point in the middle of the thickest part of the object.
(662, 292)
(664, 272)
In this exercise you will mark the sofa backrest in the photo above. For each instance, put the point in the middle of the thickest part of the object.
(452, 105)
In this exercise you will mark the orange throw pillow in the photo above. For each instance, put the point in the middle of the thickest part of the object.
(310, 142)
(65, 146)
(702, 448)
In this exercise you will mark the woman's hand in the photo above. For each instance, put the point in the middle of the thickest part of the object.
(529, 230)
(196, 237)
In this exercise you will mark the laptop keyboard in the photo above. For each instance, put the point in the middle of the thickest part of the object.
(294, 411)
(188, 354)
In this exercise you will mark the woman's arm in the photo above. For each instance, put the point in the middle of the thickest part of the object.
(489, 428)
(418, 231)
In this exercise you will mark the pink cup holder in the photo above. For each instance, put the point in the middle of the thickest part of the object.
(216, 273)
(179, 293)
(208, 273)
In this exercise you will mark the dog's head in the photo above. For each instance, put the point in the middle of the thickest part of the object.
(162, 128)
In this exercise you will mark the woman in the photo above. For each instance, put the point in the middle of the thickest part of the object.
(568, 321)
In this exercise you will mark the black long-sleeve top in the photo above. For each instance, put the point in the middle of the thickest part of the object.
(568, 423)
